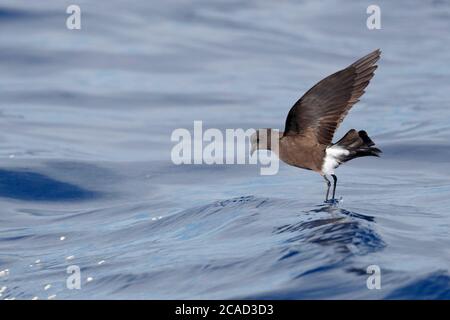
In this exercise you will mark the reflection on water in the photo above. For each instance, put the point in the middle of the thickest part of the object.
(345, 231)
(85, 172)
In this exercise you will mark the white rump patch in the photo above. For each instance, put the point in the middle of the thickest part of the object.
(332, 156)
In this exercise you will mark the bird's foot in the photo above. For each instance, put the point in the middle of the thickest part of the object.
(334, 201)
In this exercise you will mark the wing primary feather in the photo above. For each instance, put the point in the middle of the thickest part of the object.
(323, 107)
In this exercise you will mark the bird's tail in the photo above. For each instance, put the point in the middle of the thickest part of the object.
(358, 144)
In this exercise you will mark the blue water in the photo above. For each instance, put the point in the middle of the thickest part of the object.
(85, 172)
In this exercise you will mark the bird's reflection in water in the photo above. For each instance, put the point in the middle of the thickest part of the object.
(334, 227)
(334, 209)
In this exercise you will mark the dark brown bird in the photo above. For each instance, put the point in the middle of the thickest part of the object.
(310, 125)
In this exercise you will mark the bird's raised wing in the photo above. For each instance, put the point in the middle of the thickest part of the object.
(324, 106)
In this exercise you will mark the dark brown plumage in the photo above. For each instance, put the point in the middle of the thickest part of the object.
(324, 106)
(310, 125)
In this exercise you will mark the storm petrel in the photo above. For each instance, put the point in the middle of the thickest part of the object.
(310, 125)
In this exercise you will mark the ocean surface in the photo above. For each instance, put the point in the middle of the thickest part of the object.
(86, 177)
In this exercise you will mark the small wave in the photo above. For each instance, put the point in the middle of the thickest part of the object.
(32, 186)
(435, 286)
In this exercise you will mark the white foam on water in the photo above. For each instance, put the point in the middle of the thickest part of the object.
(4, 273)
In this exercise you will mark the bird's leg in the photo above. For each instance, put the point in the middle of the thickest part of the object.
(328, 187)
(334, 185)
